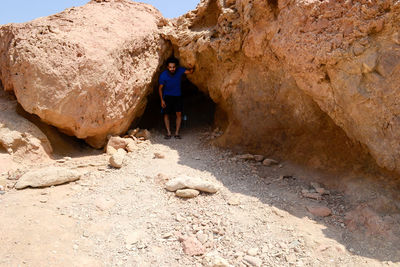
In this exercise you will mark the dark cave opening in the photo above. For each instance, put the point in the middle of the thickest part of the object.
(198, 110)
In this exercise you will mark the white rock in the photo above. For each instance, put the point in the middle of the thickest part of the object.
(253, 261)
(187, 193)
(47, 177)
(183, 182)
(117, 159)
(252, 251)
(212, 259)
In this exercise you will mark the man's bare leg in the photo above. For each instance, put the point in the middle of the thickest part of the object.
(166, 122)
(178, 122)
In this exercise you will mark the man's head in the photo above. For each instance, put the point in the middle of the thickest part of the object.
(172, 64)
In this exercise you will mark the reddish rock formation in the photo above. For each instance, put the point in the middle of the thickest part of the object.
(315, 80)
(86, 70)
(300, 77)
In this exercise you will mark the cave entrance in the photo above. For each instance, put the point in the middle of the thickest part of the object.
(198, 110)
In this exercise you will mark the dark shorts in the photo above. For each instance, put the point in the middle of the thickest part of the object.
(174, 104)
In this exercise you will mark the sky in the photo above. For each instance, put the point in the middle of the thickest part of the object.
(26, 10)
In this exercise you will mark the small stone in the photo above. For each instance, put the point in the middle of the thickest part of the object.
(110, 150)
(246, 157)
(143, 134)
(269, 162)
(187, 193)
(158, 156)
(212, 259)
(76, 247)
(131, 146)
(234, 201)
(252, 252)
(258, 158)
(192, 246)
(319, 211)
(253, 261)
(104, 204)
(320, 190)
(315, 185)
(117, 159)
(201, 237)
(167, 235)
(2, 192)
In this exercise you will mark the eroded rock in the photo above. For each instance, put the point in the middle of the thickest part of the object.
(47, 177)
(86, 70)
(183, 182)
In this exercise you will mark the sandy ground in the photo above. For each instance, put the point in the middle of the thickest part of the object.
(125, 217)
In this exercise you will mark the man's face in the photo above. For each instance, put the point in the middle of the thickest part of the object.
(171, 67)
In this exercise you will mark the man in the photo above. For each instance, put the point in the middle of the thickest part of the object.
(171, 95)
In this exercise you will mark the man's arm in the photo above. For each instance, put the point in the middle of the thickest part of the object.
(189, 70)
(160, 87)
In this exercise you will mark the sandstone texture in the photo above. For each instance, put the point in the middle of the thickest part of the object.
(86, 70)
(303, 78)
(18, 136)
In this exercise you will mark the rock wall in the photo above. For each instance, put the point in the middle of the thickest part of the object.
(315, 80)
(304, 78)
(86, 70)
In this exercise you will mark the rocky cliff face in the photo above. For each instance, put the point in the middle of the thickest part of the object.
(86, 70)
(300, 76)
(316, 80)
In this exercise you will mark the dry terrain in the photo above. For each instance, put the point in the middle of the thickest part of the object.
(125, 217)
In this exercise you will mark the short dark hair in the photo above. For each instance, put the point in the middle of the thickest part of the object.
(173, 60)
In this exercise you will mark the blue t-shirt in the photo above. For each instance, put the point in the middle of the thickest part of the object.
(172, 83)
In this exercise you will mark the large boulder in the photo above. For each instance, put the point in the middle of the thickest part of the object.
(304, 78)
(86, 70)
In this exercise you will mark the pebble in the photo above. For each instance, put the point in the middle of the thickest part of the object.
(158, 156)
(234, 201)
(192, 246)
(253, 261)
(252, 251)
(212, 259)
(117, 159)
(258, 158)
(104, 204)
(187, 193)
(269, 162)
(201, 237)
(320, 211)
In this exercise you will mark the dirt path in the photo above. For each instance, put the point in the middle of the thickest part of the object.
(125, 217)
